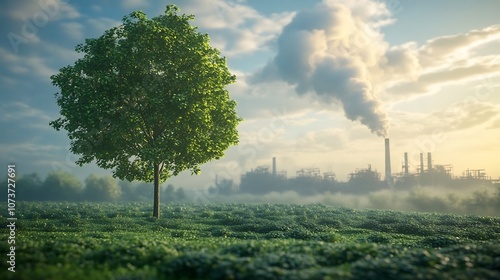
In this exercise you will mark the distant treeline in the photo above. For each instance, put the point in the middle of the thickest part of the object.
(64, 186)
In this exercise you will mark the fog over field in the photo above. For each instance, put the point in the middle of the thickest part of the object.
(482, 198)
(478, 201)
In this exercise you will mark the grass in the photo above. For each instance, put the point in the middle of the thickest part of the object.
(248, 241)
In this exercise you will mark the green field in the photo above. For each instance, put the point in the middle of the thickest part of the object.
(247, 241)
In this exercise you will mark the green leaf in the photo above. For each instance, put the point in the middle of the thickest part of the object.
(152, 90)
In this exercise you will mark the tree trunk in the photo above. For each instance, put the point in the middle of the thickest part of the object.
(156, 202)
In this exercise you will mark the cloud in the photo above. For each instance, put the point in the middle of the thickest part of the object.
(73, 30)
(464, 115)
(8, 57)
(402, 63)
(443, 49)
(36, 11)
(236, 28)
(453, 59)
(456, 73)
(27, 21)
(132, 4)
(96, 8)
(7, 80)
(495, 124)
(19, 111)
(29, 148)
(101, 24)
(335, 50)
(322, 141)
(458, 116)
(266, 100)
(36, 64)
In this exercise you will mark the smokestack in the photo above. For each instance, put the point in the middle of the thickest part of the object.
(429, 162)
(406, 164)
(422, 163)
(274, 166)
(388, 172)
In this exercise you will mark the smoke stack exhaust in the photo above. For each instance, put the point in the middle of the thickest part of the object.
(406, 164)
(388, 177)
(274, 166)
(422, 163)
(429, 162)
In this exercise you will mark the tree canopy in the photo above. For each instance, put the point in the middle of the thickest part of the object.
(61, 186)
(103, 188)
(148, 99)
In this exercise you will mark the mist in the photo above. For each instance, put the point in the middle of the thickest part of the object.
(484, 201)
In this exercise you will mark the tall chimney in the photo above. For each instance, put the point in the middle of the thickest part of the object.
(421, 162)
(274, 166)
(429, 162)
(388, 177)
(406, 164)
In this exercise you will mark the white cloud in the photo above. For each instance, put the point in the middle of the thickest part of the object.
(96, 8)
(65, 55)
(236, 28)
(18, 69)
(401, 63)
(467, 114)
(447, 59)
(446, 48)
(73, 29)
(40, 67)
(101, 24)
(132, 4)
(457, 72)
(495, 124)
(325, 140)
(30, 147)
(36, 64)
(19, 111)
(8, 56)
(266, 100)
(28, 18)
(41, 11)
(7, 80)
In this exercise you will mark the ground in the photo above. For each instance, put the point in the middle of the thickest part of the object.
(248, 241)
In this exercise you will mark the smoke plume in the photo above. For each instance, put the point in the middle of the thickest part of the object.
(336, 52)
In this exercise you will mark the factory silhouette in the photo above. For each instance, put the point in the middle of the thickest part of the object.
(310, 181)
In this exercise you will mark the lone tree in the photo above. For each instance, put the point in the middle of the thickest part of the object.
(148, 100)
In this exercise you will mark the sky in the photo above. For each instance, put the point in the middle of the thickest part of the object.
(320, 84)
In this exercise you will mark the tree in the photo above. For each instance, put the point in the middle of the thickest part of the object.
(128, 190)
(31, 187)
(148, 100)
(180, 194)
(28, 187)
(169, 192)
(101, 188)
(61, 186)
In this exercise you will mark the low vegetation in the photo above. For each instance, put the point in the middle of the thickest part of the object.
(248, 241)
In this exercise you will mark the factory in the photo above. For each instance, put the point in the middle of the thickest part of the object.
(264, 179)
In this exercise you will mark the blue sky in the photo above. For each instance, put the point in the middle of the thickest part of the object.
(318, 81)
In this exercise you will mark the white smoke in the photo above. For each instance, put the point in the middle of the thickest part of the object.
(336, 51)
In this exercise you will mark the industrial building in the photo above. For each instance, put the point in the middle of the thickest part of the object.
(264, 179)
